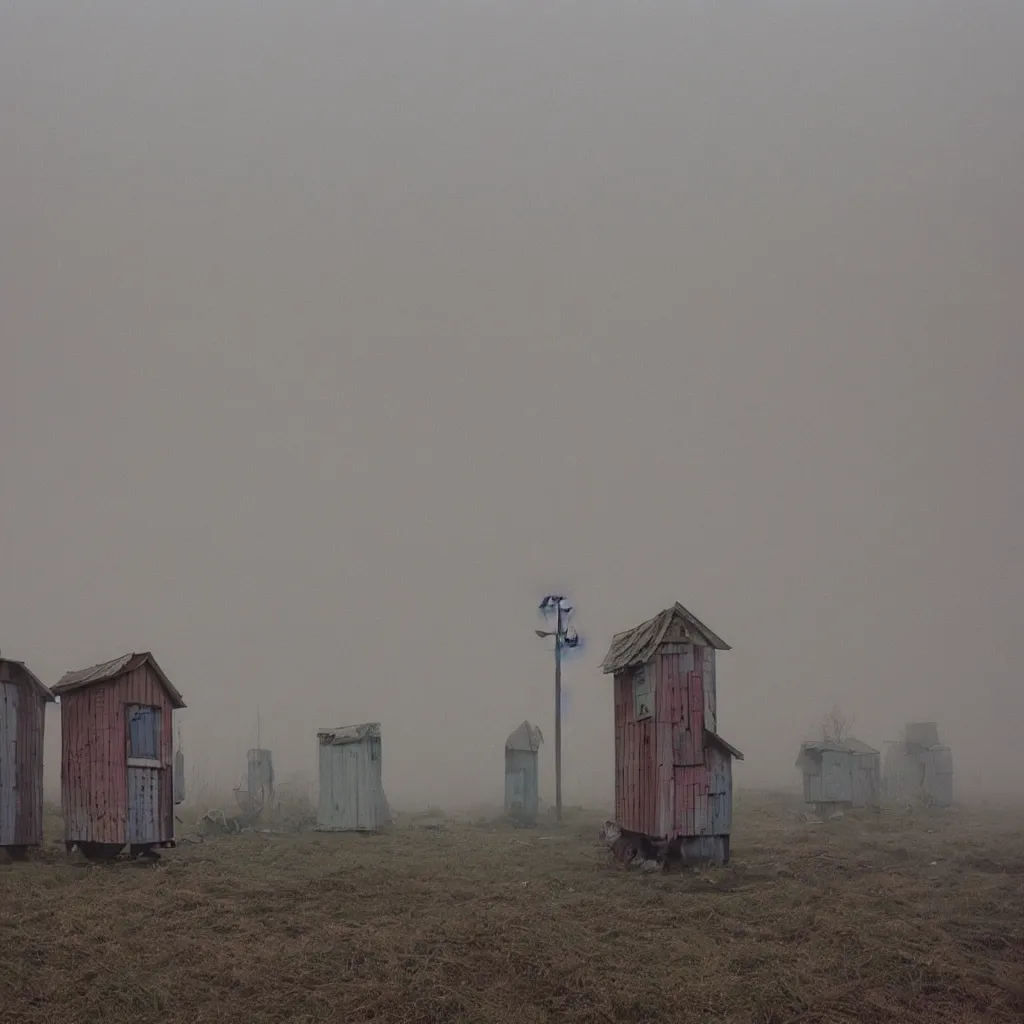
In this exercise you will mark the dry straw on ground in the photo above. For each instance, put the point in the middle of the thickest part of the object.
(895, 917)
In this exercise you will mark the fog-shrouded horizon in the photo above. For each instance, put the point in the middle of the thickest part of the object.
(334, 336)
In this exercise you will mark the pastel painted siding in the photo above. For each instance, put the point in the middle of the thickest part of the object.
(635, 765)
(673, 772)
(671, 780)
(23, 701)
(98, 730)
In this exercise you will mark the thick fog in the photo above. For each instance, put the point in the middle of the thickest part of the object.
(333, 336)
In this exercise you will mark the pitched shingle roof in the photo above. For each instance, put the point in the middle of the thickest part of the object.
(636, 646)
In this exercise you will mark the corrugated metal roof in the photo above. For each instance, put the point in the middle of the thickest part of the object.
(43, 690)
(851, 745)
(108, 670)
(859, 746)
(96, 674)
(526, 737)
(349, 733)
(636, 646)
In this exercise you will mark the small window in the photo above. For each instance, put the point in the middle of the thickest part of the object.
(143, 732)
(642, 703)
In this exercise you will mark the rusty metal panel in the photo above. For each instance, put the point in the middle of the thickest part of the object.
(9, 693)
(144, 805)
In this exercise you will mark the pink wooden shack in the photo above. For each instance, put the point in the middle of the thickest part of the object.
(23, 700)
(673, 772)
(117, 763)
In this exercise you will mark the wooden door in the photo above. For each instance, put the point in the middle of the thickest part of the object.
(145, 773)
(144, 805)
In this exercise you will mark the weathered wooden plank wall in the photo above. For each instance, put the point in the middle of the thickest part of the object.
(94, 756)
(9, 721)
(351, 787)
(22, 723)
(636, 781)
(668, 781)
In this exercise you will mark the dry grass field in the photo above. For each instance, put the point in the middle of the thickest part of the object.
(874, 918)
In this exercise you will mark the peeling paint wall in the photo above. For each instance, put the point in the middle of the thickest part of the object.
(94, 762)
(669, 781)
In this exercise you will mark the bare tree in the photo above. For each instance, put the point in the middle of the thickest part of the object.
(836, 726)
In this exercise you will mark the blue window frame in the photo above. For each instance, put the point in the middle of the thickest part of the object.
(143, 731)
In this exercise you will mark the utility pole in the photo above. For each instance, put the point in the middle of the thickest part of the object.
(564, 637)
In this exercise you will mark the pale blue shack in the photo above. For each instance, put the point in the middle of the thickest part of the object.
(522, 773)
(351, 786)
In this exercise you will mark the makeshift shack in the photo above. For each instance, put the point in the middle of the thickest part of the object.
(257, 791)
(351, 788)
(673, 771)
(918, 768)
(522, 791)
(117, 756)
(23, 700)
(839, 776)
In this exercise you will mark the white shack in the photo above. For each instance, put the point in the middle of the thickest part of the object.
(522, 794)
(351, 790)
(840, 775)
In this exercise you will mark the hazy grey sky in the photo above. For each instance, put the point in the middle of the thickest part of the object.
(333, 335)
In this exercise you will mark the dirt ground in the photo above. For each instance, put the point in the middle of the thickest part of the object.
(875, 918)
